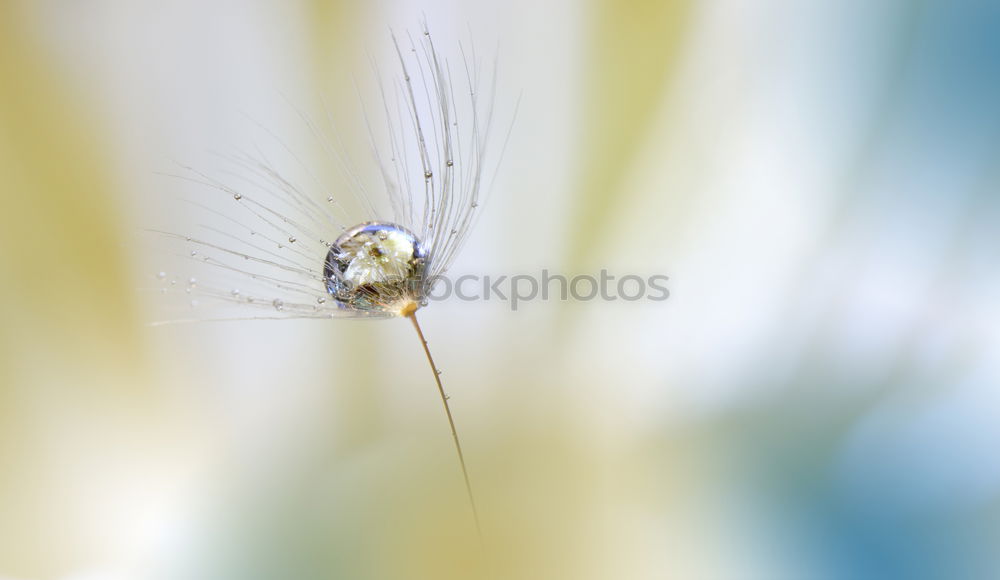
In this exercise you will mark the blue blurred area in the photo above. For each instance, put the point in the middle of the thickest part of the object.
(876, 458)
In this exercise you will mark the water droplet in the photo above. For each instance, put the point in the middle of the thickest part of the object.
(235, 292)
(330, 199)
(428, 175)
(321, 300)
(192, 282)
(439, 372)
(161, 275)
(194, 253)
(291, 239)
(374, 267)
(474, 204)
(450, 163)
(278, 304)
(453, 232)
(237, 196)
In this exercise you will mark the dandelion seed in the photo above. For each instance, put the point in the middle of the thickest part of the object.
(385, 264)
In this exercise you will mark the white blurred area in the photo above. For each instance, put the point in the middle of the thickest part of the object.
(815, 399)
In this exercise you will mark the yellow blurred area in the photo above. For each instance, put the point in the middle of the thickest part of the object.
(77, 414)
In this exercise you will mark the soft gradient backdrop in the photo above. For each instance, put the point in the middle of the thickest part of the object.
(817, 400)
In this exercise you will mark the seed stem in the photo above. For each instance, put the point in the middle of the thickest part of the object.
(451, 422)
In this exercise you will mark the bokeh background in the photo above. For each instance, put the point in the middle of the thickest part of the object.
(818, 399)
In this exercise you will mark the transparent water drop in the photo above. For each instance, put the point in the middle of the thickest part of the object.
(237, 196)
(375, 267)
(161, 275)
(292, 239)
(278, 304)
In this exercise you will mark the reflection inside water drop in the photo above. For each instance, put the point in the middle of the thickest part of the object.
(376, 267)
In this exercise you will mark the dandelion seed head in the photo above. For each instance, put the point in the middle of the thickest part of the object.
(413, 208)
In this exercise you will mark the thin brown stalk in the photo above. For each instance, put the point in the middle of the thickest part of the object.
(451, 423)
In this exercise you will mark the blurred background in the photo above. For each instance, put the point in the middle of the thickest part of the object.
(818, 399)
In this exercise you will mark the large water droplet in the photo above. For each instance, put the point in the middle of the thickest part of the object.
(375, 267)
